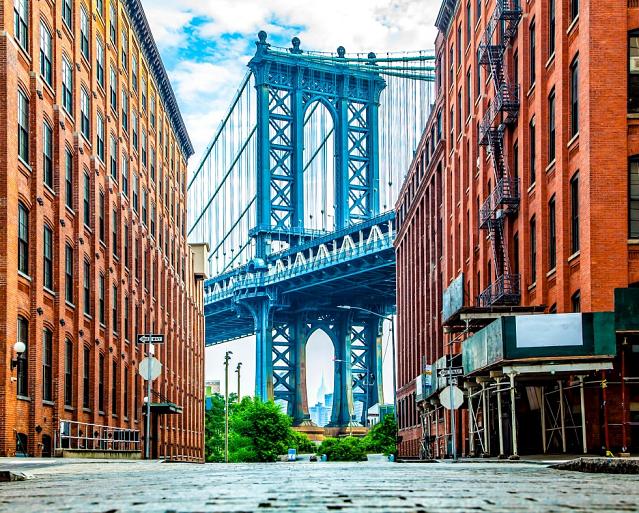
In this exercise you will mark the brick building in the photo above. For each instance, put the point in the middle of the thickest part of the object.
(539, 207)
(93, 166)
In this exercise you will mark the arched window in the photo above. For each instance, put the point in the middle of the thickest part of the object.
(47, 365)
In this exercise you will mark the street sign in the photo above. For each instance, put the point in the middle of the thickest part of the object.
(450, 371)
(150, 338)
(150, 368)
(451, 400)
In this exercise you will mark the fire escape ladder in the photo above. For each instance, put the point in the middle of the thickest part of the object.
(502, 111)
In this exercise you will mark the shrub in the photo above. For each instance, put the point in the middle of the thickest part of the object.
(302, 443)
(382, 437)
(343, 449)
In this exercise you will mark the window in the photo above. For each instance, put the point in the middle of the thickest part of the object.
(633, 204)
(113, 20)
(143, 91)
(86, 378)
(101, 216)
(68, 273)
(532, 48)
(126, 318)
(68, 178)
(101, 291)
(533, 250)
(47, 365)
(21, 22)
(552, 234)
(114, 158)
(516, 160)
(48, 258)
(125, 49)
(574, 9)
(23, 239)
(99, 60)
(478, 77)
(67, 86)
(113, 88)
(126, 245)
(533, 152)
(551, 127)
(45, 54)
(574, 97)
(100, 136)
(22, 374)
(84, 32)
(85, 109)
(125, 175)
(144, 205)
(516, 254)
(125, 111)
(469, 23)
(574, 213)
(575, 302)
(633, 72)
(134, 71)
(143, 140)
(134, 126)
(47, 154)
(135, 192)
(516, 71)
(114, 389)
(68, 372)
(87, 199)
(153, 219)
(468, 92)
(101, 383)
(87, 287)
(551, 28)
(23, 126)
(115, 312)
(114, 231)
(126, 393)
(459, 45)
(99, 5)
(67, 14)
(152, 109)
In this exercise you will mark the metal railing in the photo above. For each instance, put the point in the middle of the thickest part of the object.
(505, 193)
(504, 290)
(96, 437)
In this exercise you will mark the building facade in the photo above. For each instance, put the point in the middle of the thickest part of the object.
(540, 216)
(93, 198)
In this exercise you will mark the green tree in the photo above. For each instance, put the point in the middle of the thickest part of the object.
(214, 428)
(343, 449)
(382, 438)
(302, 443)
(259, 431)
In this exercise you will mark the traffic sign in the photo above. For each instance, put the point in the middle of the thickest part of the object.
(450, 371)
(150, 368)
(451, 400)
(150, 338)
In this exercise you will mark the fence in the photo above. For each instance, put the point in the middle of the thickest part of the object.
(96, 437)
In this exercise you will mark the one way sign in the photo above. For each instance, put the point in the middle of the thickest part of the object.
(150, 338)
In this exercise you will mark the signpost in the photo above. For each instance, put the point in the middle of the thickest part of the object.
(150, 368)
(452, 398)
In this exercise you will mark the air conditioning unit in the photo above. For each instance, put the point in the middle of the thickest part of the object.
(200, 252)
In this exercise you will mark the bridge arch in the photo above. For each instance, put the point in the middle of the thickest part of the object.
(319, 361)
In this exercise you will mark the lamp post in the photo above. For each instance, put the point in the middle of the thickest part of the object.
(239, 366)
(19, 347)
(392, 331)
(227, 357)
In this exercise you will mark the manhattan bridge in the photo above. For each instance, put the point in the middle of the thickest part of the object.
(295, 198)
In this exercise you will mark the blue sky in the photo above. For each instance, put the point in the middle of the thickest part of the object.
(206, 44)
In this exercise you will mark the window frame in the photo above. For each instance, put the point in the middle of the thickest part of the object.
(23, 239)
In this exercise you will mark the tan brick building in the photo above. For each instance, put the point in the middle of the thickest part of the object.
(537, 153)
(93, 164)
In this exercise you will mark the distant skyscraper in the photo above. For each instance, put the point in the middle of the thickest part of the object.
(321, 412)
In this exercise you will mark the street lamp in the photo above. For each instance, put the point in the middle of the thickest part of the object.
(239, 396)
(227, 357)
(19, 347)
(392, 329)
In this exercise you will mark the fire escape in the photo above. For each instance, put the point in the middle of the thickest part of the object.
(502, 112)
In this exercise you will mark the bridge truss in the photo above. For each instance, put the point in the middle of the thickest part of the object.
(295, 198)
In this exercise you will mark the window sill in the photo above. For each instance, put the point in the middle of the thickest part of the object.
(25, 164)
(70, 304)
(552, 272)
(572, 25)
(551, 166)
(49, 291)
(48, 403)
(575, 138)
(531, 188)
(532, 286)
(633, 242)
(574, 256)
(86, 410)
(68, 408)
(550, 60)
(531, 90)
(69, 210)
(88, 316)
(24, 276)
(23, 398)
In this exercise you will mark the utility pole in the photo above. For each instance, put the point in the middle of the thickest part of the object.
(227, 357)
(239, 396)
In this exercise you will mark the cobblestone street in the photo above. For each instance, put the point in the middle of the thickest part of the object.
(160, 487)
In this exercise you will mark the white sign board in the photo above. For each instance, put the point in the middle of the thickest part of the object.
(549, 330)
(150, 368)
(457, 398)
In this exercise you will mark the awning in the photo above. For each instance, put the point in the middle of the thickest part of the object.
(166, 408)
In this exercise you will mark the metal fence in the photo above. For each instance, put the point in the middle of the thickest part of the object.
(96, 437)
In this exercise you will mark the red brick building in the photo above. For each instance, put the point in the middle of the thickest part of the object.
(539, 206)
(93, 159)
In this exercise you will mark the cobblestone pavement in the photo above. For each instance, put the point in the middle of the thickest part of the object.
(441, 487)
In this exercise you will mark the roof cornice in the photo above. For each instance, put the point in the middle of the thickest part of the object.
(446, 12)
(152, 54)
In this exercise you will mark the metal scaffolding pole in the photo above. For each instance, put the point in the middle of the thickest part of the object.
(485, 415)
(583, 414)
(513, 416)
(543, 418)
(561, 415)
(500, 423)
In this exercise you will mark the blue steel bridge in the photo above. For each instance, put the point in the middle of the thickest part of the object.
(295, 197)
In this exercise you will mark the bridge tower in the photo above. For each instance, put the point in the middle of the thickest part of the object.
(287, 85)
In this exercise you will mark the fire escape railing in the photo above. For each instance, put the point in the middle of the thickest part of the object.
(502, 111)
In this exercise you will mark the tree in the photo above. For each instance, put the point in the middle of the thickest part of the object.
(343, 449)
(214, 428)
(301, 442)
(260, 432)
(382, 437)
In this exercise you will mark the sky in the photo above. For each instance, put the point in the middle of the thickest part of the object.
(205, 46)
